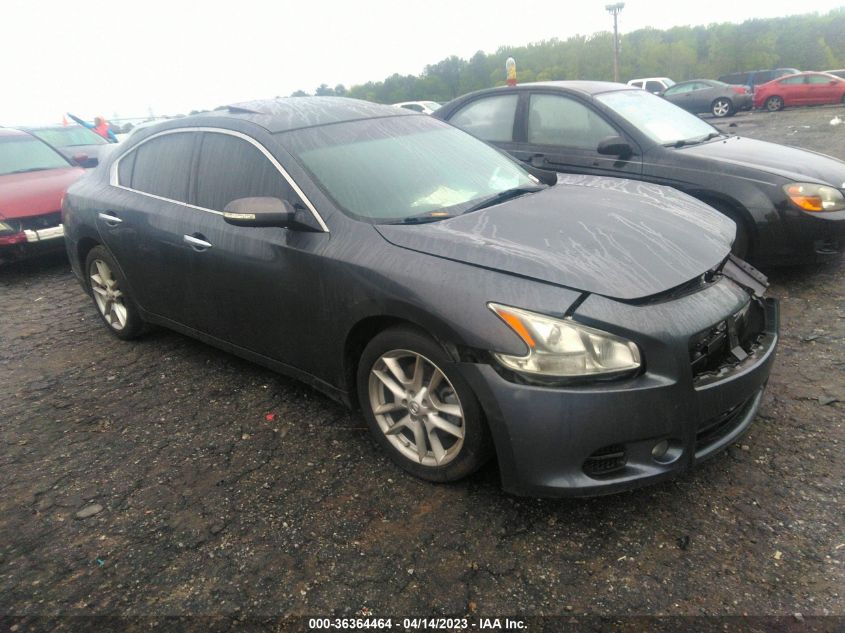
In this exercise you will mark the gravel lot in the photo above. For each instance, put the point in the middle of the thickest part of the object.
(215, 487)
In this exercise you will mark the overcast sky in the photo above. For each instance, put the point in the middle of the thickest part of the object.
(127, 57)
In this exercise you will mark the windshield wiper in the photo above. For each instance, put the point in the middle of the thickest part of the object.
(692, 141)
(424, 218)
(507, 194)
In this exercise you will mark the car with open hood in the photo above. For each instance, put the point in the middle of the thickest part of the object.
(33, 179)
(788, 204)
(593, 334)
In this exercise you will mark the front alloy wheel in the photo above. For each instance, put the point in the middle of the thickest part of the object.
(773, 104)
(721, 107)
(416, 408)
(419, 408)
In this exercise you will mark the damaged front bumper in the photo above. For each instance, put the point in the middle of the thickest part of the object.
(606, 437)
(19, 240)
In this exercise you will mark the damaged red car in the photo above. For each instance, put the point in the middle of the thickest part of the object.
(33, 179)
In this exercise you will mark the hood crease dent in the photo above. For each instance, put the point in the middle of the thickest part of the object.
(623, 239)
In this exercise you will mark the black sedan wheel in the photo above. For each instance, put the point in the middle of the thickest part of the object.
(722, 107)
(773, 104)
(423, 413)
(109, 291)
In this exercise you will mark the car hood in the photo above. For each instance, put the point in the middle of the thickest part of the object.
(35, 193)
(619, 238)
(791, 163)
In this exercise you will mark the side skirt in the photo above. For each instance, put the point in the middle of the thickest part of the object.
(338, 395)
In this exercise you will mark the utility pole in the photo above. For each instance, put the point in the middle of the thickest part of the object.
(614, 10)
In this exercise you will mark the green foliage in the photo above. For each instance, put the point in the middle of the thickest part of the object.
(808, 42)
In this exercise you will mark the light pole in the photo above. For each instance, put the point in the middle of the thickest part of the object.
(614, 10)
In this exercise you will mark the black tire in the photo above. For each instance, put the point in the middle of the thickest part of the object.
(119, 313)
(475, 446)
(774, 104)
(722, 107)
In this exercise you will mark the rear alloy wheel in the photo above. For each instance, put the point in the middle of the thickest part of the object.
(108, 289)
(722, 107)
(424, 415)
(774, 104)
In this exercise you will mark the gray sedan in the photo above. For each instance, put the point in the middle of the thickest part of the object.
(708, 95)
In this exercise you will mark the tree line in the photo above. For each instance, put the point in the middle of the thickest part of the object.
(808, 42)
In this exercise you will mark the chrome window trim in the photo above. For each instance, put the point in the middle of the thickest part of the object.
(114, 181)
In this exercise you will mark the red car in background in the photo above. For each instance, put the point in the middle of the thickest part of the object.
(33, 179)
(800, 89)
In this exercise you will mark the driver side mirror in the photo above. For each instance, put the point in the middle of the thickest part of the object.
(259, 212)
(614, 146)
(84, 160)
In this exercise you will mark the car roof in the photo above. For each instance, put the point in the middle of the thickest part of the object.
(650, 79)
(293, 113)
(801, 74)
(35, 128)
(585, 87)
(7, 131)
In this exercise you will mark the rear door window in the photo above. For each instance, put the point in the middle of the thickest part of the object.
(653, 86)
(489, 118)
(230, 168)
(160, 166)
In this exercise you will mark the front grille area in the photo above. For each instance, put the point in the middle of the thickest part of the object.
(727, 343)
(40, 222)
(35, 223)
(714, 429)
(605, 461)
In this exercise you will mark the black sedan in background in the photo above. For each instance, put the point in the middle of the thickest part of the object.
(707, 95)
(595, 335)
(75, 142)
(787, 203)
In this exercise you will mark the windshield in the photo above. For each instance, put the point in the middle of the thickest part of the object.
(658, 119)
(394, 168)
(19, 154)
(69, 136)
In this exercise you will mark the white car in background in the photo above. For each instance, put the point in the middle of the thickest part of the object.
(652, 84)
(426, 107)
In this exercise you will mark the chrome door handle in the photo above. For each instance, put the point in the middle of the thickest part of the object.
(196, 243)
(111, 220)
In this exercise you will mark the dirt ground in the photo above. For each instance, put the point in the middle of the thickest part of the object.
(216, 488)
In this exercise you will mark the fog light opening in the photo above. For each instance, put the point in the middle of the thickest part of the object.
(667, 451)
(660, 449)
